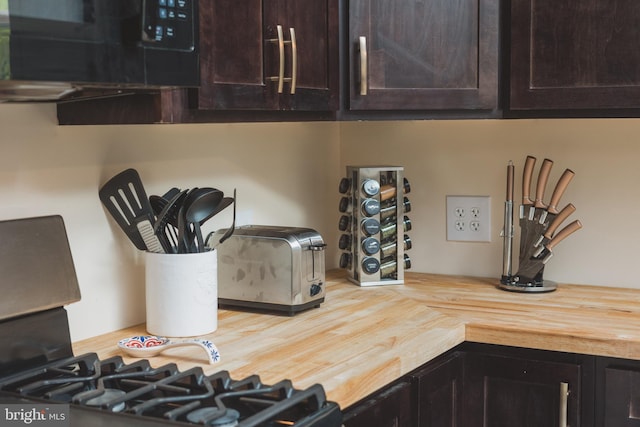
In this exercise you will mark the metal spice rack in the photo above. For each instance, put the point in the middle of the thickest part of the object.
(374, 225)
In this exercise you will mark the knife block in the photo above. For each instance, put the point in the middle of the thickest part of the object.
(374, 225)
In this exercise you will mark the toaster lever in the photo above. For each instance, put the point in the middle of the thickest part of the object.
(315, 247)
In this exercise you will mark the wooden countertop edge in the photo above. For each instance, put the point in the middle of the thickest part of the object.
(552, 341)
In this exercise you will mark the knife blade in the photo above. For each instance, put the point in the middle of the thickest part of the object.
(559, 219)
(528, 270)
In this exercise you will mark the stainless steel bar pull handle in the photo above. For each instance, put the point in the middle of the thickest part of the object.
(280, 41)
(281, 60)
(564, 404)
(363, 66)
(294, 61)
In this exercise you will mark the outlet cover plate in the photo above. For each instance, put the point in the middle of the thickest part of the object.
(469, 218)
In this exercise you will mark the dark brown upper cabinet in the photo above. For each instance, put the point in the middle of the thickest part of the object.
(568, 54)
(268, 55)
(423, 54)
(257, 57)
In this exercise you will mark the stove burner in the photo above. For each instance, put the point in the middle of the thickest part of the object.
(107, 396)
(214, 417)
(164, 395)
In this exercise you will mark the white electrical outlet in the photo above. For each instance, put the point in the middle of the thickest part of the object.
(469, 218)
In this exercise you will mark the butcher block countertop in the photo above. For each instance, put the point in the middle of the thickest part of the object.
(362, 338)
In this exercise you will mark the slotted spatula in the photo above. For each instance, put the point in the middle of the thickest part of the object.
(126, 200)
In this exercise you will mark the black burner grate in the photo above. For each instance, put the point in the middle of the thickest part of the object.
(168, 395)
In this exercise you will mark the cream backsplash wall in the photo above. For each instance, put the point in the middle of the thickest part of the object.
(288, 173)
(280, 171)
(470, 157)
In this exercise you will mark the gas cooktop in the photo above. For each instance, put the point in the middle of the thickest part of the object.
(111, 391)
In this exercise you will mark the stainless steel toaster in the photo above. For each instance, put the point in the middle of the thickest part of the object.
(271, 267)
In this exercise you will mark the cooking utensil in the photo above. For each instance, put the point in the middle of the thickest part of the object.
(534, 227)
(559, 218)
(183, 238)
(159, 202)
(543, 177)
(151, 240)
(201, 208)
(231, 229)
(559, 190)
(527, 203)
(150, 345)
(530, 268)
(185, 235)
(224, 203)
(545, 216)
(125, 199)
(165, 225)
(544, 252)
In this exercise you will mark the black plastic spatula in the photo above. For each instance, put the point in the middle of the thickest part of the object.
(126, 200)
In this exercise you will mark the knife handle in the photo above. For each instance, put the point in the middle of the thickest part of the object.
(527, 174)
(543, 177)
(561, 186)
(564, 213)
(564, 233)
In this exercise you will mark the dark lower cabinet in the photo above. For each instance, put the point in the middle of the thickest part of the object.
(477, 385)
(526, 390)
(391, 407)
(618, 393)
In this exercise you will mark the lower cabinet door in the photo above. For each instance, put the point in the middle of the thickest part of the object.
(440, 388)
(621, 397)
(506, 391)
(391, 407)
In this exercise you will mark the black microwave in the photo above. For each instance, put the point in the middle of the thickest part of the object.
(51, 48)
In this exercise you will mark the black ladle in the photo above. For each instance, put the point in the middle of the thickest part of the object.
(201, 208)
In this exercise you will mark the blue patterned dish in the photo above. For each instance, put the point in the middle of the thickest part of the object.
(151, 345)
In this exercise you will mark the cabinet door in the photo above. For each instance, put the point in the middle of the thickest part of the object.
(423, 54)
(506, 391)
(232, 50)
(622, 398)
(440, 388)
(617, 393)
(254, 51)
(568, 54)
(392, 407)
(311, 33)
